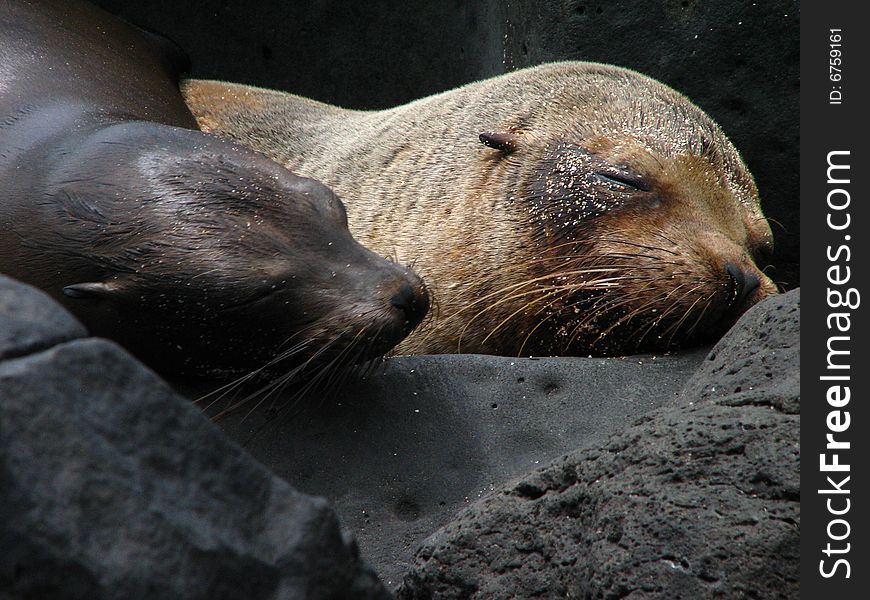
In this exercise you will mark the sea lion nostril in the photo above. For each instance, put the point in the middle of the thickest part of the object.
(752, 284)
(736, 276)
(414, 303)
(743, 284)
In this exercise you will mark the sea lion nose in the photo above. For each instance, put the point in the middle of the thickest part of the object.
(743, 284)
(413, 300)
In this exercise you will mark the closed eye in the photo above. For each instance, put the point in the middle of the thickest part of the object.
(623, 179)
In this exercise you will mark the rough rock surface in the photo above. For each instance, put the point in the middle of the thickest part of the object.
(699, 499)
(738, 60)
(758, 361)
(31, 321)
(401, 453)
(111, 486)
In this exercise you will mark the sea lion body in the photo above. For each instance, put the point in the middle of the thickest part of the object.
(602, 214)
(196, 254)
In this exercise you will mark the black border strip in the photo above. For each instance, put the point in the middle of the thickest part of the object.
(834, 117)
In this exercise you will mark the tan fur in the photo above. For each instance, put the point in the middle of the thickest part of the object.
(420, 186)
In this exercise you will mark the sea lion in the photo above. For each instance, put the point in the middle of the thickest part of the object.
(196, 254)
(569, 208)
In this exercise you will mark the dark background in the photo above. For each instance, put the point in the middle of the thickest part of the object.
(738, 60)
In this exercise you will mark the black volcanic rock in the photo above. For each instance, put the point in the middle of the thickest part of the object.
(30, 321)
(757, 362)
(699, 499)
(111, 486)
(402, 452)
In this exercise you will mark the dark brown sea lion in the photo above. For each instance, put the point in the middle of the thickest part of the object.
(196, 254)
(568, 208)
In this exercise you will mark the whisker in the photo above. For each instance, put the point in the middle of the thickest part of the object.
(526, 307)
(661, 317)
(541, 322)
(221, 392)
(676, 326)
(278, 383)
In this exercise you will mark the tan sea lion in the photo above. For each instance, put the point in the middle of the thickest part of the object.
(569, 208)
(196, 254)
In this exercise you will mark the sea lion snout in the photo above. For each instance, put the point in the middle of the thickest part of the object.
(393, 299)
(746, 286)
(411, 299)
(743, 284)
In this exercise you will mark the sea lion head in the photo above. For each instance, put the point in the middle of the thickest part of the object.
(206, 257)
(644, 228)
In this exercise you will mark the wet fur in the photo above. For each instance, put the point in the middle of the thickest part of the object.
(199, 255)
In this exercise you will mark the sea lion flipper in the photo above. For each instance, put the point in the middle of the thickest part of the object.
(506, 142)
(91, 289)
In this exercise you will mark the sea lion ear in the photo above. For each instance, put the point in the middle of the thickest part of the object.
(92, 289)
(506, 142)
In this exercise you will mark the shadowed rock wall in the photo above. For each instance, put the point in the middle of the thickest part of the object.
(699, 499)
(111, 486)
